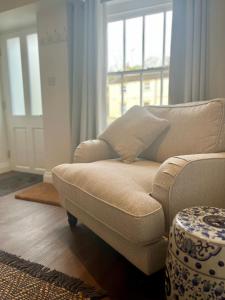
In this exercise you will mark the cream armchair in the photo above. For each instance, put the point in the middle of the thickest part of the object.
(131, 206)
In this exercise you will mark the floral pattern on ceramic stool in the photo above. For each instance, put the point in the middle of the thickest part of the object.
(195, 266)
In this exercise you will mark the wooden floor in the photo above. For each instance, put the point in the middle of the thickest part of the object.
(40, 233)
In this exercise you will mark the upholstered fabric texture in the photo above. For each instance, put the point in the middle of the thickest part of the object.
(131, 206)
(132, 133)
(190, 180)
(149, 258)
(116, 194)
(93, 150)
(194, 128)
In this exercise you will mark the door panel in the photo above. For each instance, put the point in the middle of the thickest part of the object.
(20, 138)
(38, 143)
(24, 104)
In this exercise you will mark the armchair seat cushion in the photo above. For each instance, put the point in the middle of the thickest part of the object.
(116, 194)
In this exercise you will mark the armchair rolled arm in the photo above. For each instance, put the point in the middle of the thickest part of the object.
(93, 150)
(190, 180)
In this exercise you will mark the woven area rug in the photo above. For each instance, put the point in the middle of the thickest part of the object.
(23, 280)
(42, 192)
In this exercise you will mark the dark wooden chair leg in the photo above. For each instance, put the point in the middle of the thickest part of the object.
(71, 220)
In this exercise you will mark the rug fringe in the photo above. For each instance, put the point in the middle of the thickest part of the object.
(57, 278)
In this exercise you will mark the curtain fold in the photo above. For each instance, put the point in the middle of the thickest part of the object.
(188, 63)
(89, 70)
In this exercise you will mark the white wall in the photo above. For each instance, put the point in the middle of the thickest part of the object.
(52, 23)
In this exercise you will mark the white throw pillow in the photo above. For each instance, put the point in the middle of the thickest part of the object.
(134, 132)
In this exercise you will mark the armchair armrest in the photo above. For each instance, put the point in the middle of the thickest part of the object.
(190, 180)
(93, 150)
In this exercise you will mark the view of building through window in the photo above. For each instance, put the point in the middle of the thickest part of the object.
(138, 62)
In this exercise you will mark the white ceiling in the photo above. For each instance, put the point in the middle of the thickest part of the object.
(18, 18)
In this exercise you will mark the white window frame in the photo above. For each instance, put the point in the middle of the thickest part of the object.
(123, 10)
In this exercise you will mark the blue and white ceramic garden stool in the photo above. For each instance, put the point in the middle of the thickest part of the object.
(195, 266)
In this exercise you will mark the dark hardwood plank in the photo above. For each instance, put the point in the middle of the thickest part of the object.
(40, 233)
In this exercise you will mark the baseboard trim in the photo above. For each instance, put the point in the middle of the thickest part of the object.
(5, 167)
(48, 177)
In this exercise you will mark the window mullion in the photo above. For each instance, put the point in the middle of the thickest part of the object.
(122, 93)
(141, 88)
(163, 56)
(157, 69)
(161, 86)
(143, 60)
(124, 45)
(143, 44)
(164, 39)
(124, 64)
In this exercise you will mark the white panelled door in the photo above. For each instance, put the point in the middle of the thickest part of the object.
(22, 91)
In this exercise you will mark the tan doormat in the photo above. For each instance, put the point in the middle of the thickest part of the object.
(24, 280)
(42, 192)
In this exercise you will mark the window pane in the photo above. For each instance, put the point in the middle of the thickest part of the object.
(168, 37)
(153, 40)
(114, 97)
(34, 74)
(115, 46)
(165, 96)
(151, 88)
(131, 91)
(15, 76)
(134, 43)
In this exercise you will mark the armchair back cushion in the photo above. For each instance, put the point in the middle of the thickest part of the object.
(197, 127)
